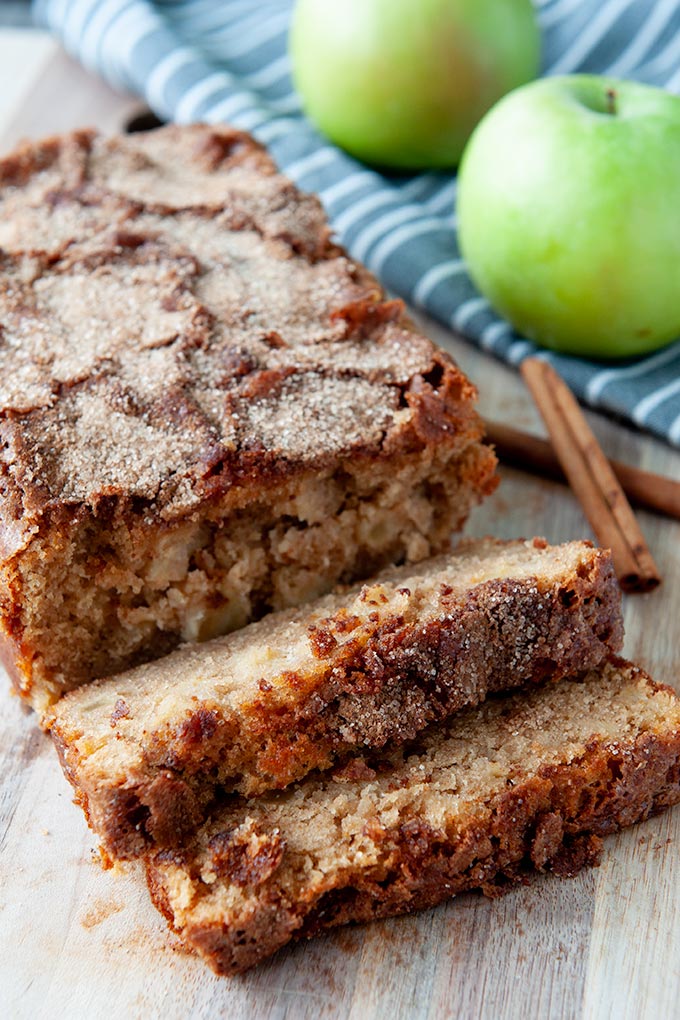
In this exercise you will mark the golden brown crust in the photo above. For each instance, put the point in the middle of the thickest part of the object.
(180, 338)
(553, 817)
(393, 674)
(143, 332)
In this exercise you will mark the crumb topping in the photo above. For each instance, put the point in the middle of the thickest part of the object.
(180, 311)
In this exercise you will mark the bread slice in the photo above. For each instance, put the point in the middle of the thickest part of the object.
(147, 750)
(521, 783)
(208, 410)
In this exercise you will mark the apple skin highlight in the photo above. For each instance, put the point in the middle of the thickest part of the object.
(569, 214)
(402, 83)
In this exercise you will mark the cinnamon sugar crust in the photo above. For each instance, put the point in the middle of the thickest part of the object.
(522, 783)
(147, 751)
(186, 356)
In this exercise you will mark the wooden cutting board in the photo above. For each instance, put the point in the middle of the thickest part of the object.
(80, 942)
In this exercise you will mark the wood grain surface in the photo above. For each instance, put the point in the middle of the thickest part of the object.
(81, 942)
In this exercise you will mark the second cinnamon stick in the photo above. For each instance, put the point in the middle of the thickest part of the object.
(531, 453)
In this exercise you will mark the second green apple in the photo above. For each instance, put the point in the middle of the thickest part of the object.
(569, 214)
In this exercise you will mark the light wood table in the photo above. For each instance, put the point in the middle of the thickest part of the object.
(77, 941)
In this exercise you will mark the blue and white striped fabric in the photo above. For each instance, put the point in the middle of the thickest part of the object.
(226, 61)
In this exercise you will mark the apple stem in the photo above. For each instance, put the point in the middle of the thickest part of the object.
(611, 101)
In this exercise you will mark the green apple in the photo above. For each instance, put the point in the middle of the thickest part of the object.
(402, 83)
(569, 214)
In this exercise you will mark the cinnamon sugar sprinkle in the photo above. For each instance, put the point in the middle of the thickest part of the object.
(170, 303)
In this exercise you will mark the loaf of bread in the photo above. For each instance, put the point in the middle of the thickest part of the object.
(147, 750)
(521, 783)
(208, 410)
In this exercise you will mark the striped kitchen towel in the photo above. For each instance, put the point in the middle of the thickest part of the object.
(225, 60)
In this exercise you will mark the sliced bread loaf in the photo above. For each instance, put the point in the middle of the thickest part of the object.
(148, 749)
(523, 782)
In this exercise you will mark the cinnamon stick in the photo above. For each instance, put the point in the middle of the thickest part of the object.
(591, 477)
(531, 453)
